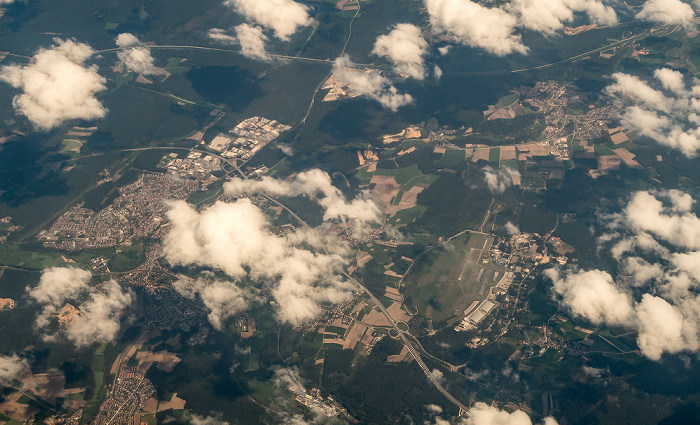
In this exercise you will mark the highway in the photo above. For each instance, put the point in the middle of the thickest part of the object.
(416, 355)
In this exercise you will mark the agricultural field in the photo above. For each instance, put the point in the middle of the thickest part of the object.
(452, 158)
(14, 255)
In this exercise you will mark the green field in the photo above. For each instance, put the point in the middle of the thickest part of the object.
(423, 181)
(509, 100)
(99, 392)
(509, 163)
(128, 257)
(436, 290)
(336, 329)
(494, 155)
(213, 191)
(404, 217)
(602, 150)
(363, 176)
(402, 175)
(452, 158)
(67, 145)
(14, 255)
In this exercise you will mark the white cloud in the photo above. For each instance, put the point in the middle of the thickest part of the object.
(498, 181)
(670, 117)
(437, 72)
(671, 80)
(512, 229)
(444, 50)
(99, 318)
(126, 40)
(674, 223)
(289, 378)
(360, 212)
(135, 55)
(194, 419)
(592, 295)
(11, 367)
(434, 408)
(437, 375)
(236, 238)
(252, 41)
(405, 47)
(222, 299)
(286, 149)
(668, 12)
(58, 284)
(220, 35)
(492, 29)
(483, 414)
(664, 327)
(592, 371)
(370, 84)
(656, 292)
(282, 16)
(549, 16)
(57, 85)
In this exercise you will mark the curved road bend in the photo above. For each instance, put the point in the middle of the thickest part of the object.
(416, 355)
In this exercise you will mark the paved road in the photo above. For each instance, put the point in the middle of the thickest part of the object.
(416, 355)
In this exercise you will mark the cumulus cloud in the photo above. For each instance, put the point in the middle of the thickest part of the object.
(282, 16)
(135, 55)
(491, 29)
(195, 419)
(11, 367)
(592, 295)
(437, 375)
(592, 371)
(549, 16)
(674, 223)
(300, 268)
(405, 47)
(252, 41)
(251, 38)
(655, 293)
(483, 414)
(286, 149)
(434, 408)
(60, 283)
(512, 229)
(360, 212)
(56, 285)
(495, 29)
(220, 35)
(498, 181)
(289, 378)
(668, 12)
(98, 316)
(437, 72)
(370, 84)
(669, 114)
(222, 299)
(57, 85)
